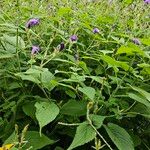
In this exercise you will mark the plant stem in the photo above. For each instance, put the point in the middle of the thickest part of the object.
(90, 122)
(67, 124)
(17, 35)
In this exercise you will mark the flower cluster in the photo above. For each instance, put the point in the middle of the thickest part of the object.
(35, 49)
(73, 38)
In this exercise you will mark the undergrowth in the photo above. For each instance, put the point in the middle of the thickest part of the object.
(74, 74)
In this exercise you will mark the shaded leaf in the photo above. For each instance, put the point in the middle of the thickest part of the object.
(97, 120)
(142, 92)
(37, 141)
(120, 137)
(74, 108)
(29, 109)
(139, 98)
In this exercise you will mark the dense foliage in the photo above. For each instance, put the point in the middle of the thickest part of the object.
(75, 74)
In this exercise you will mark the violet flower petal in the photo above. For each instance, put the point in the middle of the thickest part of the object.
(136, 41)
(147, 1)
(95, 30)
(35, 50)
(74, 38)
(32, 22)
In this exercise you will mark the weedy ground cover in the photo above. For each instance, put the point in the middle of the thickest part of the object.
(75, 74)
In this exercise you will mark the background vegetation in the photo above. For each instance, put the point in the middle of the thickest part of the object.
(90, 93)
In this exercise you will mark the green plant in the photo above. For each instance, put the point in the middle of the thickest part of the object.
(74, 91)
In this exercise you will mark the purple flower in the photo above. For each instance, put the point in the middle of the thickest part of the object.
(95, 30)
(147, 1)
(62, 46)
(136, 41)
(73, 38)
(32, 22)
(35, 50)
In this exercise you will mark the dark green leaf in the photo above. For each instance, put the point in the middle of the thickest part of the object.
(74, 108)
(120, 137)
(97, 120)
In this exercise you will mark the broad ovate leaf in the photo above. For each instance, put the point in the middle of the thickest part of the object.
(120, 137)
(45, 113)
(84, 134)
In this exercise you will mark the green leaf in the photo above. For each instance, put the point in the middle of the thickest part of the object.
(88, 91)
(29, 109)
(130, 50)
(45, 113)
(37, 141)
(6, 56)
(97, 120)
(84, 134)
(46, 78)
(38, 75)
(128, 1)
(139, 98)
(120, 137)
(115, 64)
(64, 61)
(34, 140)
(142, 110)
(142, 92)
(84, 67)
(145, 68)
(75, 78)
(145, 41)
(63, 11)
(9, 43)
(74, 108)
(27, 77)
(100, 80)
(71, 93)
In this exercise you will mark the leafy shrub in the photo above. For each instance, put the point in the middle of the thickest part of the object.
(75, 71)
